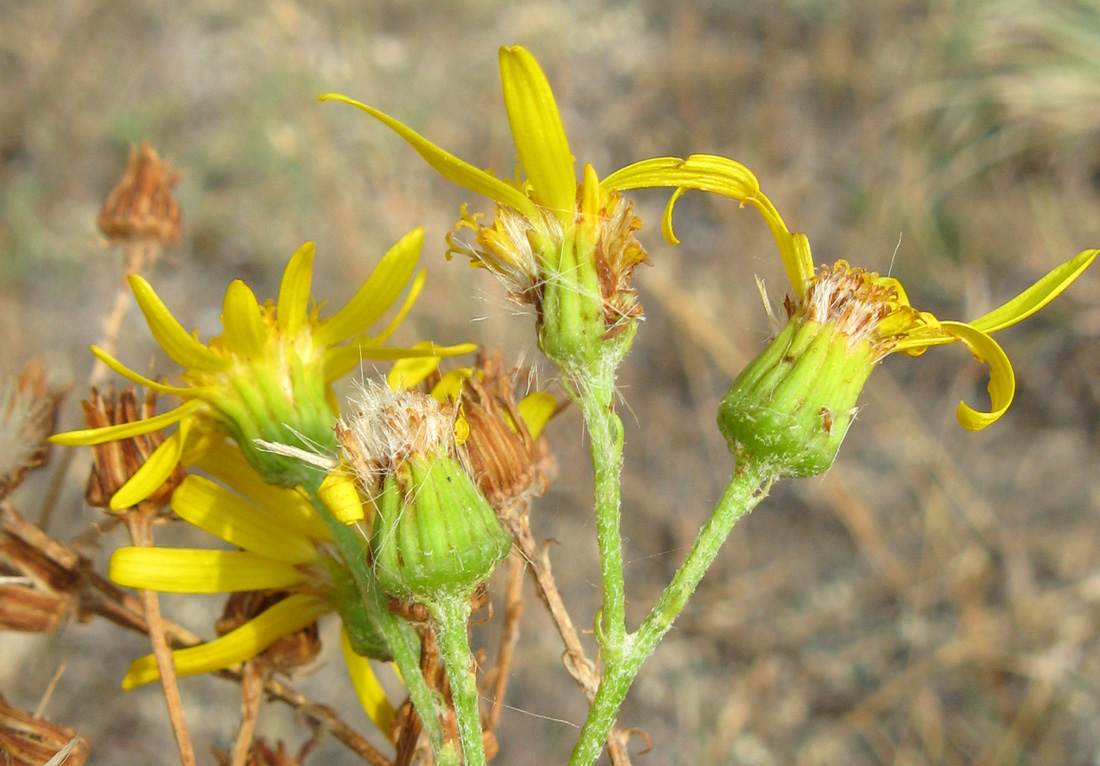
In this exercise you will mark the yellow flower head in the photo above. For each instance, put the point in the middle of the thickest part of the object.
(791, 407)
(269, 375)
(566, 247)
(872, 309)
(282, 545)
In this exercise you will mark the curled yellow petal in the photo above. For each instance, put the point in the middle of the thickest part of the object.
(179, 344)
(183, 570)
(410, 372)
(91, 436)
(153, 472)
(293, 305)
(719, 175)
(1002, 381)
(1037, 296)
(536, 410)
(370, 693)
(289, 615)
(226, 463)
(538, 132)
(245, 332)
(238, 522)
(446, 164)
(376, 295)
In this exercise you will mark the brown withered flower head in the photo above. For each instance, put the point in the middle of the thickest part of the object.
(115, 462)
(28, 412)
(508, 462)
(288, 652)
(141, 206)
(29, 741)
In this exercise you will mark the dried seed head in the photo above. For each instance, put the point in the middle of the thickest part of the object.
(506, 462)
(29, 741)
(115, 462)
(40, 575)
(141, 206)
(386, 428)
(617, 254)
(28, 412)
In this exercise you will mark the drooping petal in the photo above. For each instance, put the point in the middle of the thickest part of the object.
(414, 293)
(376, 295)
(343, 359)
(538, 132)
(408, 373)
(371, 694)
(719, 175)
(93, 436)
(226, 463)
(169, 334)
(161, 388)
(183, 570)
(293, 305)
(245, 332)
(154, 471)
(223, 514)
(289, 615)
(536, 410)
(1037, 296)
(1002, 381)
(446, 164)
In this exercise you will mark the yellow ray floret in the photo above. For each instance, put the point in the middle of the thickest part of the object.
(288, 616)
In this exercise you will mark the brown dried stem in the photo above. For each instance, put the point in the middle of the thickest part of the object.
(141, 532)
(252, 686)
(513, 610)
(518, 524)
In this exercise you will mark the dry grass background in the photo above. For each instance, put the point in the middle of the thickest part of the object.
(934, 599)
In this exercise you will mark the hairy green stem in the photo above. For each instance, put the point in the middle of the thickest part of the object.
(450, 617)
(400, 637)
(594, 396)
(746, 489)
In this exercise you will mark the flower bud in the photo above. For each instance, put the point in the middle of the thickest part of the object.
(791, 407)
(435, 535)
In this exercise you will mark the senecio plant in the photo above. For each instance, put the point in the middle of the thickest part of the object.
(392, 509)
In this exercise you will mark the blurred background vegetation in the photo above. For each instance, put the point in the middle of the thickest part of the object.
(934, 599)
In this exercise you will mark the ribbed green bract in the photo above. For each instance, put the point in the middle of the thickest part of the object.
(435, 535)
(791, 407)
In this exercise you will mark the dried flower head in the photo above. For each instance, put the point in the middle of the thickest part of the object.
(114, 463)
(505, 451)
(141, 206)
(29, 741)
(28, 411)
(384, 427)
